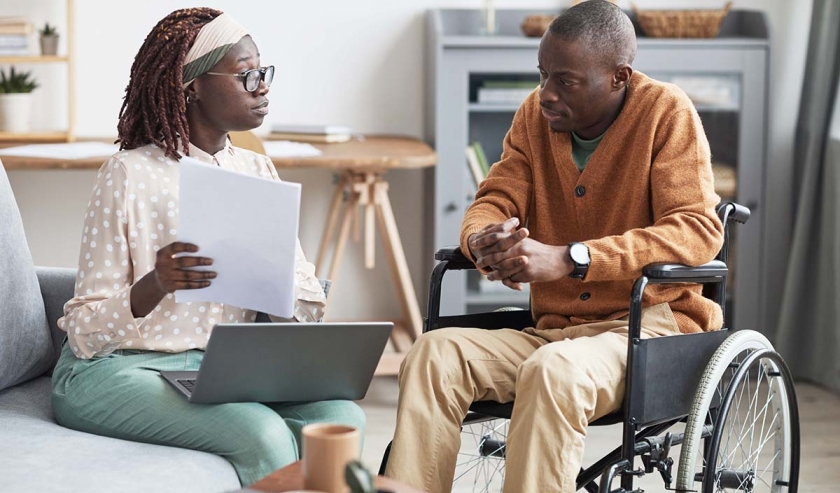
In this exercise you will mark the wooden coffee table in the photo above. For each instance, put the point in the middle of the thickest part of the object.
(290, 478)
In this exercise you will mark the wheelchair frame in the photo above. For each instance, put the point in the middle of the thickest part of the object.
(651, 406)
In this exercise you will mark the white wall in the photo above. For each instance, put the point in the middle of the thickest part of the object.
(358, 62)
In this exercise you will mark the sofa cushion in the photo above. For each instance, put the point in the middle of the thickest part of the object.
(40, 455)
(25, 346)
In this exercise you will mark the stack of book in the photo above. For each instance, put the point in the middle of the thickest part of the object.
(505, 91)
(477, 163)
(14, 36)
(311, 133)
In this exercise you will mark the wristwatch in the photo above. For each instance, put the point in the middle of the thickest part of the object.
(580, 258)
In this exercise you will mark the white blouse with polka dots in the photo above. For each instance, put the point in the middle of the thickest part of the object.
(132, 213)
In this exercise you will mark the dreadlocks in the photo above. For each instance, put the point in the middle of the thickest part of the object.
(154, 110)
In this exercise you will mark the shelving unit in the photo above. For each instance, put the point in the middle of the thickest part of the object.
(732, 67)
(68, 135)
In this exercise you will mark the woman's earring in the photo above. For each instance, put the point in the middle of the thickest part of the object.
(188, 100)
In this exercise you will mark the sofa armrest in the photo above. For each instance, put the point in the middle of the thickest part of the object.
(57, 287)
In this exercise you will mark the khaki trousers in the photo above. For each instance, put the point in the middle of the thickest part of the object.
(562, 380)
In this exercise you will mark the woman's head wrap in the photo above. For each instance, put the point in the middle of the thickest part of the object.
(212, 43)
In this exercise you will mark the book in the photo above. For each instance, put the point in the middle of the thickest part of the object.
(311, 129)
(14, 51)
(13, 41)
(23, 29)
(500, 95)
(474, 166)
(482, 158)
(7, 19)
(305, 137)
(510, 84)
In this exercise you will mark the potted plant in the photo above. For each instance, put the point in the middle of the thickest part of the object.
(49, 40)
(15, 100)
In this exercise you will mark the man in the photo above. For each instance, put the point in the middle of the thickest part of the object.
(603, 172)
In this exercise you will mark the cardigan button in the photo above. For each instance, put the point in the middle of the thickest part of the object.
(585, 296)
(580, 190)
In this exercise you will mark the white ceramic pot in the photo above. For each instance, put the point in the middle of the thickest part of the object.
(15, 112)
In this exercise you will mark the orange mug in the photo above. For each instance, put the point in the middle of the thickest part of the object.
(327, 448)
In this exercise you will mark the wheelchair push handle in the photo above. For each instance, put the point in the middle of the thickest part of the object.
(731, 211)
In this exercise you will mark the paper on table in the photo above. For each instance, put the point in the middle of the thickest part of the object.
(73, 150)
(285, 148)
(249, 227)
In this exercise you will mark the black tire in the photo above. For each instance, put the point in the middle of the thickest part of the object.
(759, 399)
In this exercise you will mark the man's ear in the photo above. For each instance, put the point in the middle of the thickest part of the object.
(621, 76)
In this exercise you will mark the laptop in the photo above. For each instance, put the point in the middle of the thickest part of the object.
(285, 362)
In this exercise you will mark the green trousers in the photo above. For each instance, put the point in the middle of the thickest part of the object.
(123, 396)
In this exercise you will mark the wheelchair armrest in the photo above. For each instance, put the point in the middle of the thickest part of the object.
(456, 259)
(711, 272)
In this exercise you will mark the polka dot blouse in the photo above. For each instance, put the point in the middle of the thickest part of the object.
(132, 213)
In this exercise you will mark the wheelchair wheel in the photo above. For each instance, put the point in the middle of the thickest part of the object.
(746, 405)
(481, 459)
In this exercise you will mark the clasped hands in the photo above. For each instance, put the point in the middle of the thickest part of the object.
(514, 258)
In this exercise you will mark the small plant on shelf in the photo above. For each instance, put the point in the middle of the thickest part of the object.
(16, 100)
(49, 40)
(16, 82)
(48, 30)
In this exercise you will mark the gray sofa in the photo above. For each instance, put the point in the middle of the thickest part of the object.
(36, 453)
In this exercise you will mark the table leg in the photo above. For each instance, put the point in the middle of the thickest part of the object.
(343, 234)
(396, 257)
(370, 223)
(332, 218)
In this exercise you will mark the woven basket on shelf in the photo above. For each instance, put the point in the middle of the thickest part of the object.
(681, 23)
(535, 26)
(726, 181)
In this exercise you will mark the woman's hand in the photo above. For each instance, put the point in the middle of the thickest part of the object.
(173, 273)
(170, 274)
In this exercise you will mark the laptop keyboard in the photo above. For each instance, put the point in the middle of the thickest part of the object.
(187, 383)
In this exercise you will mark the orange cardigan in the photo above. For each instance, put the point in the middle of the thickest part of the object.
(645, 196)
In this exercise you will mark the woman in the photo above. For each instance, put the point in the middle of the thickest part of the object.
(196, 77)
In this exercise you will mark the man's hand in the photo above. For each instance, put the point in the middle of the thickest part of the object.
(528, 261)
(495, 238)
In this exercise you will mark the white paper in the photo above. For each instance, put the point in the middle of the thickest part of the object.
(285, 148)
(73, 150)
(249, 227)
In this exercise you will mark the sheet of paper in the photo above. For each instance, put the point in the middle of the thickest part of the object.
(72, 150)
(249, 227)
(285, 148)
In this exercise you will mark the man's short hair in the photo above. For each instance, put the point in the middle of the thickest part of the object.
(602, 26)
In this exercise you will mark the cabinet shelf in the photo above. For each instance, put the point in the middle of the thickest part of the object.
(66, 61)
(5, 59)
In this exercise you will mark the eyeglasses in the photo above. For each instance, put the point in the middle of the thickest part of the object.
(251, 78)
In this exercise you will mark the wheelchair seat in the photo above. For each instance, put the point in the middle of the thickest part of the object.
(504, 411)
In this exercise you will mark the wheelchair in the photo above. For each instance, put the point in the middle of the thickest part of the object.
(728, 400)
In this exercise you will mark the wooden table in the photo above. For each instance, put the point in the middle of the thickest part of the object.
(290, 478)
(362, 189)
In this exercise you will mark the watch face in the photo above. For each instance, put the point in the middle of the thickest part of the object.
(579, 253)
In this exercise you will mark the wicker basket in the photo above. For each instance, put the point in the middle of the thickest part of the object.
(681, 23)
(726, 181)
(535, 26)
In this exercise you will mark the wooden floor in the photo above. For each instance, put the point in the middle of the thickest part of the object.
(820, 421)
